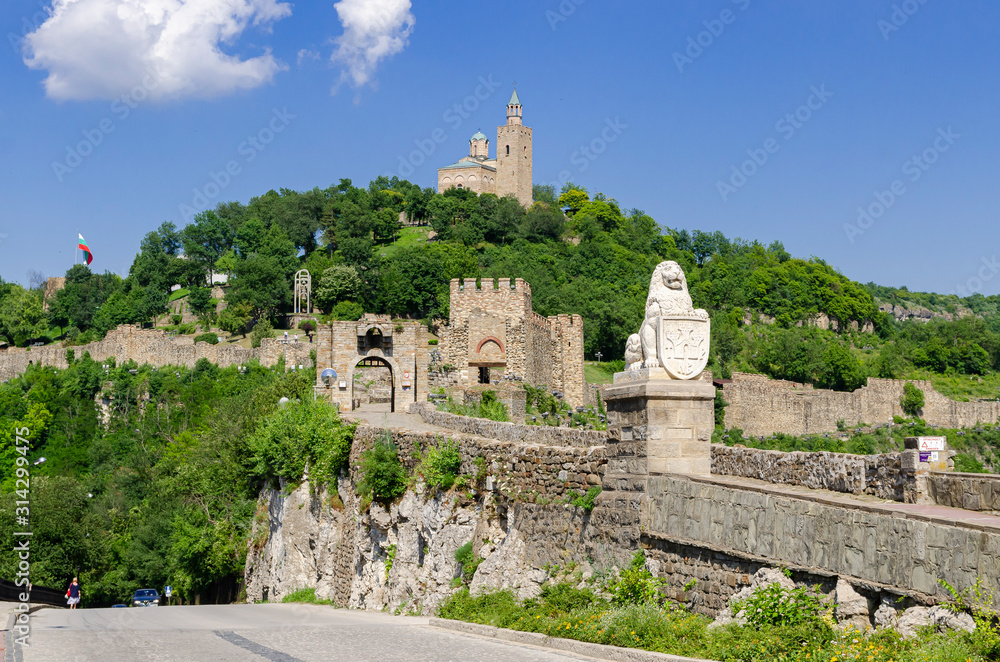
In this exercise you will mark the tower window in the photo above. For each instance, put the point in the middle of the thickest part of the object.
(508, 150)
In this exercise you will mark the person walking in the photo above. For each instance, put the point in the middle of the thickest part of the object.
(73, 594)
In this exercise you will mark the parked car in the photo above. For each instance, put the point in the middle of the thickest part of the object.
(146, 597)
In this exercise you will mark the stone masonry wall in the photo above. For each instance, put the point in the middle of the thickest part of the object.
(762, 406)
(968, 491)
(523, 471)
(511, 432)
(492, 323)
(155, 347)
(877, 475)
(869, 546)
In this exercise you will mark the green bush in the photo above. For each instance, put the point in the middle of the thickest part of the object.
(441, 465)
(776, 605)
(261, 330)
(585, 501)
(912, 400)
(210, 338)
(299, 435)
(383, 475)
(348, 311)
(636, 585)
(469, 561)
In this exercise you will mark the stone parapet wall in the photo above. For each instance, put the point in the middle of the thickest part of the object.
(870, 546)
(155, 347)
(969, 491)
(521, 470)
(878, 475)
(510, 432)
(761, 406)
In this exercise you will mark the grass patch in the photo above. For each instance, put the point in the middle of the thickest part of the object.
(179, 294)
(961, 387)
(407, 237)
(305, 596)
(562, 610)
(597, 373)
(978, 448)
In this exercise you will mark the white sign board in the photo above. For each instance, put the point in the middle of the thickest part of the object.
(167, 590)
(931, 443)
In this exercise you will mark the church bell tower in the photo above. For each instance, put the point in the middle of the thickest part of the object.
(514, 156)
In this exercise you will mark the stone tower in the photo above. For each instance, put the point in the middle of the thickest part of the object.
(514, 155)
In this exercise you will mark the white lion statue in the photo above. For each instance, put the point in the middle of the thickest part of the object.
(668, 297)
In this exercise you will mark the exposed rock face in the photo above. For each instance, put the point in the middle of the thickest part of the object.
(886, 615)
(420, 537)
(852, 607)
(401, 558)
(302, 528)
(941, 618)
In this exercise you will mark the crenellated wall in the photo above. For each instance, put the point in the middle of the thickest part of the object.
(762, 406)
(155, 347)
(492, 325)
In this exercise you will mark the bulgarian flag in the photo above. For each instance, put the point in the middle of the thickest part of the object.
(86, 251)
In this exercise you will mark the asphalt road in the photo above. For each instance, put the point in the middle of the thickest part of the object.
(253, 633)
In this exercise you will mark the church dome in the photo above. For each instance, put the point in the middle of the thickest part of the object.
(479, 136)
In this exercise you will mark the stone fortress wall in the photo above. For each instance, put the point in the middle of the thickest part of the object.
(155, 347)
(492, 325)
(762, 406)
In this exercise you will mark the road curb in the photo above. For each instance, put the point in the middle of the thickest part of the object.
(599, 651)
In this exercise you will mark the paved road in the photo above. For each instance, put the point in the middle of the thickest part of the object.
(249, 633)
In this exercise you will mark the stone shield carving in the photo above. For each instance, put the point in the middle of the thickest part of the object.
(682, 345)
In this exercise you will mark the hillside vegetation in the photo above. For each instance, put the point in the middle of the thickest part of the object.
(581, 253)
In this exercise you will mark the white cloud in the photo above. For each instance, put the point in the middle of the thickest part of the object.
(94, 49)
(373, 31)
(306, 54)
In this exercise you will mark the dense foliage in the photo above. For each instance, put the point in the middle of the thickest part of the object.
(581, 253)
(164, 491)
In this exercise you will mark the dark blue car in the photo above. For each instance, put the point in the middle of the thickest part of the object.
(146, 597)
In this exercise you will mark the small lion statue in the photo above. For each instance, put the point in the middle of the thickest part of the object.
(668, 297)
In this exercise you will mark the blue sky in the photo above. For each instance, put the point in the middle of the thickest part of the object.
(765, 119)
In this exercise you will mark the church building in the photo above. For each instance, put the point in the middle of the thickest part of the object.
(507, 174)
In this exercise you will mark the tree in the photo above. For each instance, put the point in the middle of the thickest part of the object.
(912, 400)
(21, 316)
(206, 240)
(573, 197)
(200, 300)
(338, 283)
(261, 330)
(308, 327)
(235, 319)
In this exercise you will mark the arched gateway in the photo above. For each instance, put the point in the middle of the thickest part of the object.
(372, 342)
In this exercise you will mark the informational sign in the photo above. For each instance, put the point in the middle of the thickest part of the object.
(167, 591)
(925, 456)
(931, 443)
(343, 384)
(406, 383)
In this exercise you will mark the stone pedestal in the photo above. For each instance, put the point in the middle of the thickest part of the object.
(672, 419)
